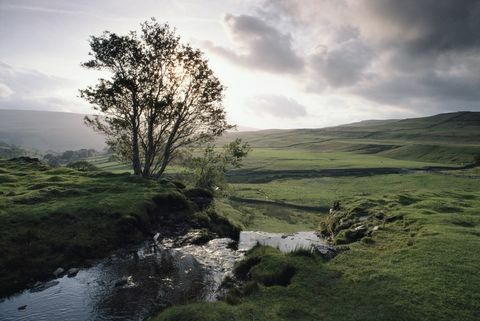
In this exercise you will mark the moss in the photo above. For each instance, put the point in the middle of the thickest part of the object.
(242, 269)
(173, 201)
(5, 178)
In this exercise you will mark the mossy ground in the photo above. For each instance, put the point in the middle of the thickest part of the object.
(62, 217)
(420, 265)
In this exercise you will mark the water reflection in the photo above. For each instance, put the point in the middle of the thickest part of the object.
(137, 282)
(130, 285)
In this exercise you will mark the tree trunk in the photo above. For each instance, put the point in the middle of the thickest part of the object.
(137, 168)
(149, 152)
(165, 162)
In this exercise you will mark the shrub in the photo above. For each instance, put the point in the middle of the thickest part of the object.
(83, 166)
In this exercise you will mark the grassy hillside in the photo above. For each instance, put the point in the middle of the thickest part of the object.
(446, 138)
(420, 264)
(45, 130)
(418, 261)
(61, 217)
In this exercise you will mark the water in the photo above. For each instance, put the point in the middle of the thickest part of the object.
(151, 277)
(284, 242)
(135, 283)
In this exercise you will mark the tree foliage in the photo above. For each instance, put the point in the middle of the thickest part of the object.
(161, 96)
(210, 167)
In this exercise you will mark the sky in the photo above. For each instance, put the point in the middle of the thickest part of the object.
(285, 63)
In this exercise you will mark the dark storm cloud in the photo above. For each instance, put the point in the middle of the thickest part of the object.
(433, 49)
(277, 106)
(261, 46)
(428, 26)
(408, 53)
(339, 66)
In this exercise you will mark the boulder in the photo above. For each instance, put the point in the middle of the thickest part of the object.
(59, 271)
(72, 272)
(120, 282)
(39, 286)
(326, 251)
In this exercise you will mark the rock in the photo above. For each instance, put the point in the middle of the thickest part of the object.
(120, 282)
(123, 281)
(196, 237)
(43, 286)
(361, 228)
(376, 228)
(72, 272)
(58, 272)
(326, 251)
(23, 307)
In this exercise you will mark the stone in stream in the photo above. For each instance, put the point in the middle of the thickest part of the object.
(72, 272)
(123, 281)
(39, 286)
(58, 272)
(23, 307)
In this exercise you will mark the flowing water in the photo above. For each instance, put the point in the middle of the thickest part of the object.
(137, 282)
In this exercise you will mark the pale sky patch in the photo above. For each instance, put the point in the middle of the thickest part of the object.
(286, 63)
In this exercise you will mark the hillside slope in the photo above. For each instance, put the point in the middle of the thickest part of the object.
(46, 130)
(451, 138)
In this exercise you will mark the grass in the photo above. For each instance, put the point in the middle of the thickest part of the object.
(420, 264)
(51, 217)
(419, 267)
(418, 260)
(61, 217)
(446, 138)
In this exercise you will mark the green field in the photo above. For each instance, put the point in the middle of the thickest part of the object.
(421, 267)
(402, 178)
(420, 264)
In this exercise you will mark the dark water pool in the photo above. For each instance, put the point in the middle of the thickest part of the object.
(135, 283)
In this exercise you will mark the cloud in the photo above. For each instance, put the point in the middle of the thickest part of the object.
(260, 46)
(22, 88)
(5, 91)
(406, 54)
(277, 106)
(423, 27)
(341, 65)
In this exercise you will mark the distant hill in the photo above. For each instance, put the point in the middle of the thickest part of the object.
(47, 131)
(450, 137)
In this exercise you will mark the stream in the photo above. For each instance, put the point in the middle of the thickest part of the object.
(135, 283)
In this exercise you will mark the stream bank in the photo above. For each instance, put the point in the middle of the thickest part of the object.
(136, 282)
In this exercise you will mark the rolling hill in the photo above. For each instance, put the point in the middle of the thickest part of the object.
(450, 137)
(47, 131)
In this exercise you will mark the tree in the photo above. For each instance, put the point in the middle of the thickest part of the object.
(210, 167)
(161, 96)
